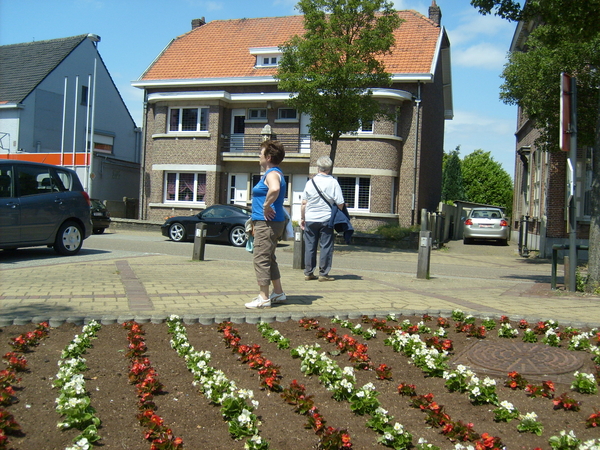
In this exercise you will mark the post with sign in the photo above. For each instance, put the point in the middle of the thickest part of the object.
(199, 242)
(424, 254)
(298, 262)
(568, 143)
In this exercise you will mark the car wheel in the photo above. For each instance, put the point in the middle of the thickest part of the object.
(237, 236)
(467, 241)
(177, 232)
(98, 230)
(69, 239)
(503, 242)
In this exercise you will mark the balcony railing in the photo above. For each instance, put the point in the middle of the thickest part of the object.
(293, 143)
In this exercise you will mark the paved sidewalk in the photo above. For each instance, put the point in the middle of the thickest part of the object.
(367, 281)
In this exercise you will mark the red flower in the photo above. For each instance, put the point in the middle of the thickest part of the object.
(384, 372)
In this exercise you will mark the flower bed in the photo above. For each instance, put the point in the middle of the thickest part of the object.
(370, 383)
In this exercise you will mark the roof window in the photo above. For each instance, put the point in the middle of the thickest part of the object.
(266, 56)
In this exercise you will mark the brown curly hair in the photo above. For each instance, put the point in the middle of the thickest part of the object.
(275, 150)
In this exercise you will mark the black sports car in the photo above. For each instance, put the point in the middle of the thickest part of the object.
(224, 223)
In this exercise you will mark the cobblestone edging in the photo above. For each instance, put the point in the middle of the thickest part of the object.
(256, 317)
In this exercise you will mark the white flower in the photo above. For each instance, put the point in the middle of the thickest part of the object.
(507, 405)
(398, 428)
(529, 416)
(489, 382)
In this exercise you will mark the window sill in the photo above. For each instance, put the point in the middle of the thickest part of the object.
(286, 121)
(182, 134)
(256, 121)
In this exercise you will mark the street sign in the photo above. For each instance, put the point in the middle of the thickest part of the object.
(565, 112)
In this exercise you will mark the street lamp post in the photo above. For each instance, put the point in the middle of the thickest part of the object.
(95, 39)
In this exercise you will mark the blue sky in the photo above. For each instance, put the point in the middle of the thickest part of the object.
(134, 32)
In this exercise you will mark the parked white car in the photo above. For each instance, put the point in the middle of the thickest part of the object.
(486, 223)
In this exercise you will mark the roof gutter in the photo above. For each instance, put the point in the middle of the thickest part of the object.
(12, 105)
(239, 81)
(391, 94)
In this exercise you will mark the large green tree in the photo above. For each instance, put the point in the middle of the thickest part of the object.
(486, 181)
(567, 39)
(332, 67)
(452, 178)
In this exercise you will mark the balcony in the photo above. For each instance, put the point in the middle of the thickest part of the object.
(249, 144)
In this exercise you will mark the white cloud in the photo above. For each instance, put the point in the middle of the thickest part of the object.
(473, 130)
(467, 122)
(421, 6)
(483, 55)
(473, 27)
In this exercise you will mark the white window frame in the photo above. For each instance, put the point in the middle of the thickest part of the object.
(287, 119)
(268, 60)
(367, 131)
(537, 183)
(352, 203)
(259, 117)
(201, 125)
(176, 200)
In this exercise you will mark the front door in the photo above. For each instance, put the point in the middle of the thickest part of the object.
(238, 189)
(238, 127)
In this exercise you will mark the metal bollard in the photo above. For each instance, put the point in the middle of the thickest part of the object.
(298, 262)
(199, 242)
(424, 254)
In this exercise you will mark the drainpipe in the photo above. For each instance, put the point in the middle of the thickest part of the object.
(415, 165)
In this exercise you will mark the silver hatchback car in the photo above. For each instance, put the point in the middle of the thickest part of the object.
(42, 204)
(486, 223)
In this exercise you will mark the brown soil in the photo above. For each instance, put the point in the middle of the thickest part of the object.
(199, 423)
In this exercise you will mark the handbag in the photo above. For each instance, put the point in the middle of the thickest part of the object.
(339, 220)
(288, 232)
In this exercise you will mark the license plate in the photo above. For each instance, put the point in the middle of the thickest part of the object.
(97, 214)
(485, 226)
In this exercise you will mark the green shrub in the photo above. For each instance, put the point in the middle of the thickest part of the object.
(396, 232)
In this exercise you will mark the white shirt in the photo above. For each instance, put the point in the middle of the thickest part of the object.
(317, 210)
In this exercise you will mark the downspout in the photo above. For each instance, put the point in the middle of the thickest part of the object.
(141, 206)
(415, 165)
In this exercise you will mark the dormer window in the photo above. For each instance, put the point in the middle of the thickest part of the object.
(266, 56)
(269, 60)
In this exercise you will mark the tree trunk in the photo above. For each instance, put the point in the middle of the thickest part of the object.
(593, 281)
(332, 152)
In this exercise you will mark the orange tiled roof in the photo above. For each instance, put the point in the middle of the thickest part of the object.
(221, 48)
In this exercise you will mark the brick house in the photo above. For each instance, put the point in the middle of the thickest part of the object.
(540, 185)
(210, 98)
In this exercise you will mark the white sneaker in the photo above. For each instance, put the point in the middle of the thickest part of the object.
(259, 302)
(277, 298)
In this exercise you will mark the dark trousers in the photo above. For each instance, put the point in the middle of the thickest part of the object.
(316, 233)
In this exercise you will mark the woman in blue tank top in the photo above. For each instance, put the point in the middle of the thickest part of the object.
(268, 219)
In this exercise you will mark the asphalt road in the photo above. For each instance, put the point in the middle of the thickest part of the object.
(482, 260)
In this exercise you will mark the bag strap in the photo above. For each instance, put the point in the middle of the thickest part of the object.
(320, 193)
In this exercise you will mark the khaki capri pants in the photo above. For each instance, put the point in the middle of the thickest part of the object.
(266, 236)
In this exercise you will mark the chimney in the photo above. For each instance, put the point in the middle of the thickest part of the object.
(435, 13)
(199, 22)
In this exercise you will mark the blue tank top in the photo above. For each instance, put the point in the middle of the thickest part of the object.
(259, 194)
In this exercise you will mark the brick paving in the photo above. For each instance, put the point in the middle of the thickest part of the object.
(367, 281)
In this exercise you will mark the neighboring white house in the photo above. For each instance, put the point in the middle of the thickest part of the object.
(48, 108)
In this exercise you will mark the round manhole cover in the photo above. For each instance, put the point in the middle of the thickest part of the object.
(526, 359)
